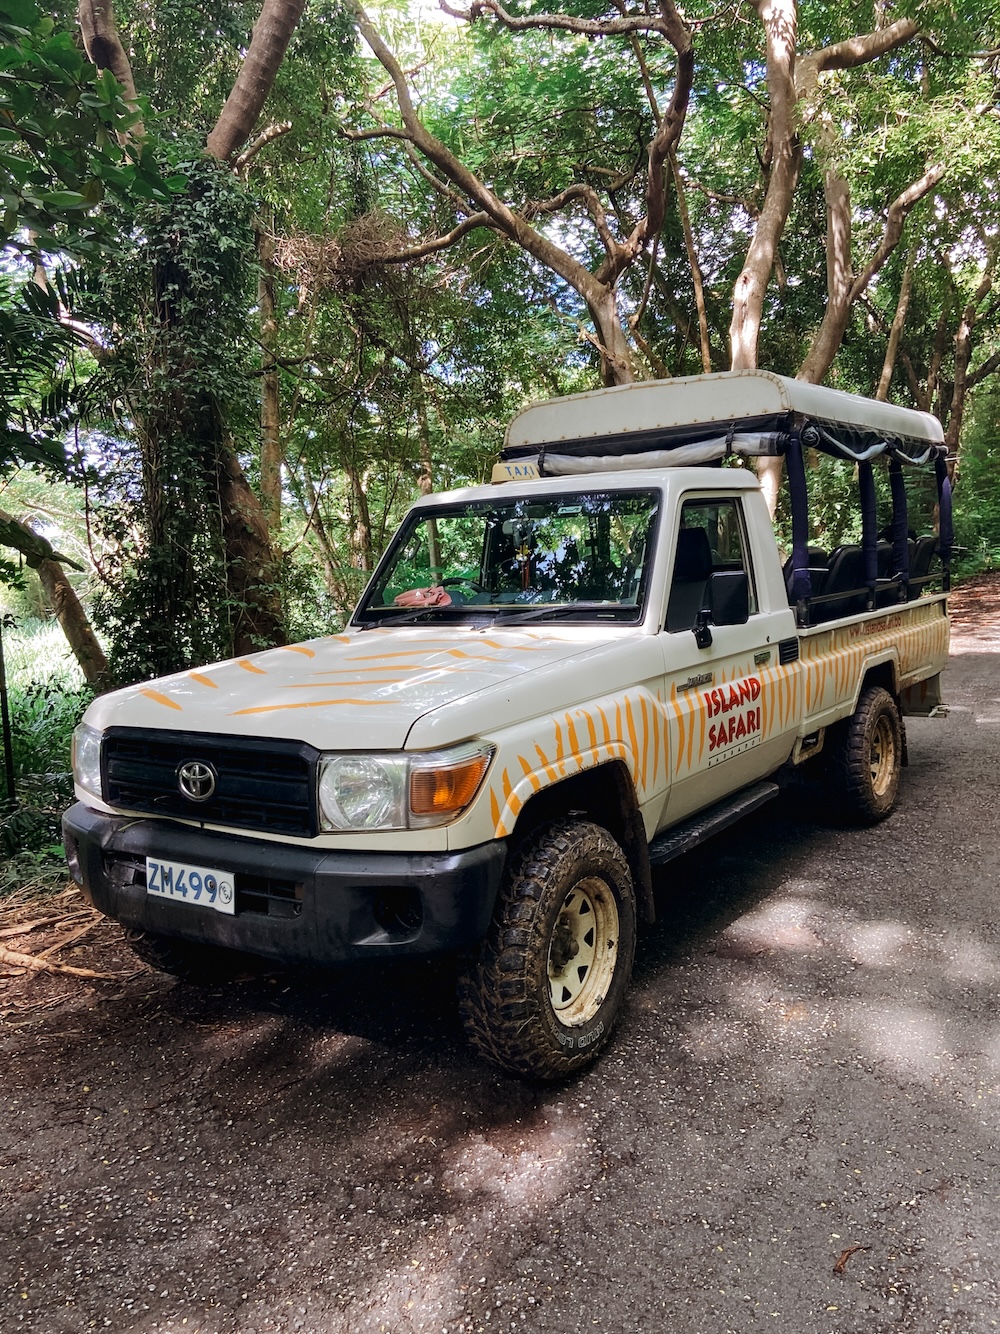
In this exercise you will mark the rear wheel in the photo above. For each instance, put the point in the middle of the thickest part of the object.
(868, 760)
(551, 977)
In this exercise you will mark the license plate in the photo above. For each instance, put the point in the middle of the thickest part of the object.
(191, 884)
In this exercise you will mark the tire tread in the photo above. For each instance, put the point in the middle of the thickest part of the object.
(501, 1017)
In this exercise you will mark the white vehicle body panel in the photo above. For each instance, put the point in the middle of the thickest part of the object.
(555, 699)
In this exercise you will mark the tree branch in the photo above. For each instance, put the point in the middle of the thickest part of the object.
(505, 219)
(431, 247)
(860, 50)
(442, 187)
(989, 367)
(104, 49)
(268, 136)
(898, 210)
(588, 196)
(381, 132)
(896, 331)
(32, 546)
(558, 22)
(271, 35)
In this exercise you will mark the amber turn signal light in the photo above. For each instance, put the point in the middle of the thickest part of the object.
(448, 788)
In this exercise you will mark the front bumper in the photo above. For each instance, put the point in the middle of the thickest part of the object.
(294, 904)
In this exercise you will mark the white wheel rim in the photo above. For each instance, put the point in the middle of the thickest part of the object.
(583, 952)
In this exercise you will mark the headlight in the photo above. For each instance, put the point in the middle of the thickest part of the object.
(87, 759)
(360, 792)
(400, 791)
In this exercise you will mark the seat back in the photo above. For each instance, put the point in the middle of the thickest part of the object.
(818, 567)
(845, 576)
(922, 551)
(692, 568)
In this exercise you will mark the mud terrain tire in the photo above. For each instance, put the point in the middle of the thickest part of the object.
(550, 980)
(868, 759)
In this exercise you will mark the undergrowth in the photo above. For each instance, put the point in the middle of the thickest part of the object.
(46, 698)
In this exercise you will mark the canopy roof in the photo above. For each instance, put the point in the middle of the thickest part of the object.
(699, 418)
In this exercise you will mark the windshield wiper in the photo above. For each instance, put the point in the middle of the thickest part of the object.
(611, 609)
(409, 617)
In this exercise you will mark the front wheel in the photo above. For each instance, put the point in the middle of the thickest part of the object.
(551, 977)
(868, 758)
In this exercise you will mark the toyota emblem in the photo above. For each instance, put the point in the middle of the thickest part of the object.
(196, 780)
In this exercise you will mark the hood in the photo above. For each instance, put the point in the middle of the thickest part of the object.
(358, 691)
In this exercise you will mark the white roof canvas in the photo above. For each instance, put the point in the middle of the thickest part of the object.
(726, 397)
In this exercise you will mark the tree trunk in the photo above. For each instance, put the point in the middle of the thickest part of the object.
(250, 561)
(104, 48)
(963, 355)
(789, 83)
(611, 343)
(40, 555)
(271, 35)
(271, 453)
(75, 626)
(425, 479)
(362, 555)
(843, 287)
(696, 274)
(780, 21)
(931, 393)
(839, 280)
(896, 332)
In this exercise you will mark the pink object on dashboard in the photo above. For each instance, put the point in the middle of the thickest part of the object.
(423, 597)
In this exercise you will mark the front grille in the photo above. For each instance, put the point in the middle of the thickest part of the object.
(264, 785)
(265, 895)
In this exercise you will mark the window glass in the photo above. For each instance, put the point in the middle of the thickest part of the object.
(584, 553)
(712, 537)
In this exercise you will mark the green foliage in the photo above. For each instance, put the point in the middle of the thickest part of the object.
(45, 707)
(39, 393)
(977, 493)
(176, 301)
(43, 716)
(60, 129)
(390, 373)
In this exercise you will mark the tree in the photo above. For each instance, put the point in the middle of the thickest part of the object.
(181, 409)
(61, 126)
(477, 205)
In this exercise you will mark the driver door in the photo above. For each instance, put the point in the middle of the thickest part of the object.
(717, 698)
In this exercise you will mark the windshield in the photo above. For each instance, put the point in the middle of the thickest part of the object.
(571, 557)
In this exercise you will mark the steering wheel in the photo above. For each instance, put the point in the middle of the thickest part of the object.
(461, 579)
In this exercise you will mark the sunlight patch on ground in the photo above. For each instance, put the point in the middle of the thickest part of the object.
(528, 1175)
(780, 924)
(908, 1038)
(491, 1185)
(808, 926)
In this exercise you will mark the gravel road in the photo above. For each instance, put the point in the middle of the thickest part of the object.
(797, 1127)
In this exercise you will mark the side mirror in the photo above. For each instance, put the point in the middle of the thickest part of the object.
(728, 594)
(729, 597)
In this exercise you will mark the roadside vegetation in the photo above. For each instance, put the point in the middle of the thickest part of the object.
(46, 695)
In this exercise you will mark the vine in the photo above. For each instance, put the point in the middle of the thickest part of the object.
(177, 302)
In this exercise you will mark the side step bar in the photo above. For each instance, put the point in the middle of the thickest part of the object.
(689, 833)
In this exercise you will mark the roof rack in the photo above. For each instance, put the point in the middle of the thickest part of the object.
(698, 419)
(702, 419)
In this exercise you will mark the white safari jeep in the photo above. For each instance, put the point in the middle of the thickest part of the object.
(549, 687)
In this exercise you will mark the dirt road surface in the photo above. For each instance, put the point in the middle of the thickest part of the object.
(797, 1127)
